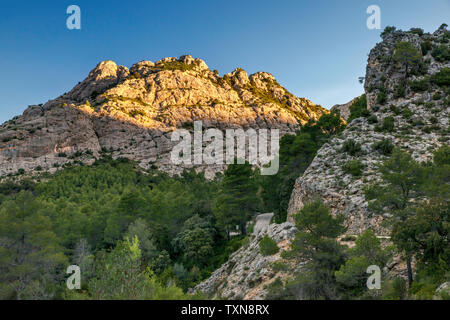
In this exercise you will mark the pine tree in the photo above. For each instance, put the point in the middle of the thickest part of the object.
(237, 200)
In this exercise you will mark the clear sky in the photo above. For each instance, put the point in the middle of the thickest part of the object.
(316, 49)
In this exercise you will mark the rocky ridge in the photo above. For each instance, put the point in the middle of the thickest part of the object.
(131, 113)
(421, 125)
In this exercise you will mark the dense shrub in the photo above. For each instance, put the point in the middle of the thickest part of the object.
(351, 147)
(358, 109)
(387, 30)
(388, 124)
(426, 46)
(419, 85)
(384, 146)
(441, 53)
(437, 96)
(353, 167)
(442, 78)
(372, 119)
(268, 246)
(381, 97)
(400, 91)
(407, 113)
(417, 31)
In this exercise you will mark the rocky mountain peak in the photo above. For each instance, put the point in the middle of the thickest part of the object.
(132, 112)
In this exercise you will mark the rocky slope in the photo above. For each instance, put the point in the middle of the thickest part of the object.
(132, 112)
(421, 125)
(247, 272)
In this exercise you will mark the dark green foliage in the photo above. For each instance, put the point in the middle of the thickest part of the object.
(316, 243)
(407, 57)
(372, 119)
(104, 204)
(407, 113)
(358, 109)
(387, 30)
(442, 78)
(442, 156)
(195, 241)
(419, 85)
(296, 153)
(388, 124)
(125, 278)
(381, 97)
(352, 147)
(237, 201)
(31, 255)
(10, 187)
(400, 91)
(267, 246)
(353, 167)
(394, 109)
(352, 275)
(426, 46)
(417, 31)
(385, 146)
(441, 53)
(420, 228)
(437, 96)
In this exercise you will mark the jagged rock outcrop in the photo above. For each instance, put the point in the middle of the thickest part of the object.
(421, 125)
(131, 113)
(247, 271)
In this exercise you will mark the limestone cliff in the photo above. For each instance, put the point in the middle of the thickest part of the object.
(421, 125)
(132, 112)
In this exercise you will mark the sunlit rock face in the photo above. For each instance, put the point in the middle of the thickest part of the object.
(131, 113)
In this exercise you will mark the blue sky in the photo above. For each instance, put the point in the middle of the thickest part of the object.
(316, 49)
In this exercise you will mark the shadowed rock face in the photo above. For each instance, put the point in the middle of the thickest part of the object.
(132, 112)
(412, 114)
